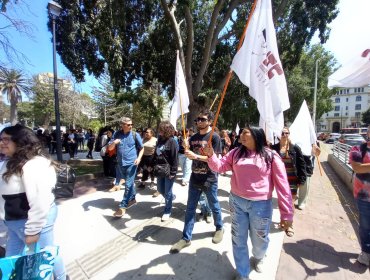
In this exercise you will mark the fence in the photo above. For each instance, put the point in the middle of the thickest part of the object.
(341, 153)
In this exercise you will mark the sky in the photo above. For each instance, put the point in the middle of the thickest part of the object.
(350, 35)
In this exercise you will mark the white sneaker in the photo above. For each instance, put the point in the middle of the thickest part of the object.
(165, 217)
(364, 258)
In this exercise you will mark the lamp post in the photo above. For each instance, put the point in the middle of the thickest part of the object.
(54, 11)
(315, 97)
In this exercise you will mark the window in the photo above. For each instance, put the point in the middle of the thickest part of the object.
(347, 92)
(355, 90)
(357, 114)
(358, 107)
(346, 114)
(337, 100)
(347, 108)
(347, 99)
(337, 108)
(336, 114)
(358, 98)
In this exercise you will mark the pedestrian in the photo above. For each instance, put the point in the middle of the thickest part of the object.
(256, 170)
(360, 162)
(184, 162)
(27, 179)
(90, 137)
(165, 165)
(295, 166)
(146, 162)
(129, 149)
(109, 159)
(202, 179)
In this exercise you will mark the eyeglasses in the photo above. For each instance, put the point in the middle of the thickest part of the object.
(285, 133)
(127, 124)
(5, 140)
(200, 120)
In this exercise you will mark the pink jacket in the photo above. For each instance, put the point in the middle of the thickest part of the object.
(252, 180)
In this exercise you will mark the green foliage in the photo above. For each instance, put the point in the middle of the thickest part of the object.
(95, 125)
(366, 117)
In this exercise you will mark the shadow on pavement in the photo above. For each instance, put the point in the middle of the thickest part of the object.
(344, 194)
(204, 264)
(318, 258)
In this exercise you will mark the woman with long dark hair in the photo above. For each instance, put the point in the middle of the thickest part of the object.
(166, 154)
(27, 179)
(256, 170)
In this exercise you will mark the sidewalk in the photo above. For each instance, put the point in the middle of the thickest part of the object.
(95, 245)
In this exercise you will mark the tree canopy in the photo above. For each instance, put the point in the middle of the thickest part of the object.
(137, 40)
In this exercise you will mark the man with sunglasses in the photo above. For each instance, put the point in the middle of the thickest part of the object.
(202, 179)
(129, 149)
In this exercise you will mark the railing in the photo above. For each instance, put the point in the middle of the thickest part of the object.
(341, 153)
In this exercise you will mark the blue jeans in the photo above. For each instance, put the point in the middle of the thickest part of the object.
(16, 236)
(204, 205)
(364, 228)
(193, 198)
(254, 216)
(118, 175)
(185, 164)
(164, 186)
(128, 173)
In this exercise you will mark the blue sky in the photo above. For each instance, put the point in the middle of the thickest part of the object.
(350, 35)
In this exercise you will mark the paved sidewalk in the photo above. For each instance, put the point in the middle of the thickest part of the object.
(95, 245)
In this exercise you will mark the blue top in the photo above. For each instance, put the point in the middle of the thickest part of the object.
(128, 148)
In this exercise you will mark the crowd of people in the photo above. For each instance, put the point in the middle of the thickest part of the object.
(257, 169)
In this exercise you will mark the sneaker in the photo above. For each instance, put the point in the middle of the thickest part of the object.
(120, 212)
(364, 258)
(151, 185)
(165, 217)
(200, 217)
(219, 234)
(115, 188)
(208, 219)
(131, 203)
(257, 264)
(178, 246)
(183, 183)
(301, 207)
(156, 194)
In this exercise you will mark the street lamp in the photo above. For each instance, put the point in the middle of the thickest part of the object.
(315, 96)
(54, 11)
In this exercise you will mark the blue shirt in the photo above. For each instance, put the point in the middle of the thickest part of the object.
(127, 149)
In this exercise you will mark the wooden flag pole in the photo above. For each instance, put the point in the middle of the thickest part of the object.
(230, 74)
(214, 101)
(182, 112)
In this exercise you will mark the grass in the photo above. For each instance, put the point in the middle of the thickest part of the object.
(87, 168)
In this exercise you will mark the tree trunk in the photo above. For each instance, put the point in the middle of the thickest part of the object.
(13, 111)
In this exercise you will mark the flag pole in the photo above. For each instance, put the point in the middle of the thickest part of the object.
(213, 103)
(182, 114)
(230, 74)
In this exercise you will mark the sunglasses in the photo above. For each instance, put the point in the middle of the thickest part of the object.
(285, 133)
(200, 120)
(127, 124)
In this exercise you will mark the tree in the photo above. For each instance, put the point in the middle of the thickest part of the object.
(366, 117)
(13, 84)
(138, 41)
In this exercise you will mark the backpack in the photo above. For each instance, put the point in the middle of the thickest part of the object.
(363, 149)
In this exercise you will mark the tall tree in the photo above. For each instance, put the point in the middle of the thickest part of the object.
(13, 84)
(138, 39)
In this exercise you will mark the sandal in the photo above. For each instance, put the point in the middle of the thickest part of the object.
(289, 231)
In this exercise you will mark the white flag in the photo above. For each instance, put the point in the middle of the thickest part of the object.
(302, 131)
(237, 129)
(180, 101)
(258, 66)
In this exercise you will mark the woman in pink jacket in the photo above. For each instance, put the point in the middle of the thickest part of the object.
(256, 170)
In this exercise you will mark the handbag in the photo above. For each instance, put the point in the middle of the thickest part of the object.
(34, 266)
(162, 169)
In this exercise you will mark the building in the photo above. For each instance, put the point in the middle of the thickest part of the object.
(48, 78)
(348, 106)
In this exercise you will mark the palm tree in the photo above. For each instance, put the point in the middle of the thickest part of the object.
(13, 84)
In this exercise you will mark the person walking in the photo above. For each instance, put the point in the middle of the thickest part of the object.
(90, 137)
(202, 179)
(166, 156)
(27, 179)
(146, 162)
(129, 147)
(360, 162)
(256, 170)
(109, 160)
(295, 166)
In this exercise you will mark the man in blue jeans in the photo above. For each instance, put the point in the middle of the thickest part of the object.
(202, 179)
(130, 150)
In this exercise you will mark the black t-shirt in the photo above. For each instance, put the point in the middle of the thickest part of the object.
(200, 170)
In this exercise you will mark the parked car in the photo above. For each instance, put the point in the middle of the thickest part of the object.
(351, 139)
(332, 139)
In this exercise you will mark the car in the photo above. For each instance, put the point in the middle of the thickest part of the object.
(351, 139)
(331, 140)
